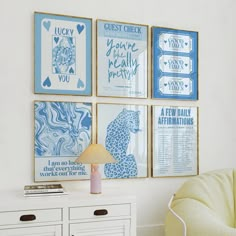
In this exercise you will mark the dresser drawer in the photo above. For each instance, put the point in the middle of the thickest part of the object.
(30, 216)
(90, 212)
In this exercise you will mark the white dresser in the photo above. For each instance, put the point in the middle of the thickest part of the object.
(76, 214)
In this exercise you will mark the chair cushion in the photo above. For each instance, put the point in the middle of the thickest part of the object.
(215, 190)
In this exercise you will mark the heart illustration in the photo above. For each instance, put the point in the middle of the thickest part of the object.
(71, 71)
(47, 25)
(165, 41)
(186, 64)
(186, 85)
(165, 84)
(56, 39)
(47, 82)
(165, 62)
(80, 28)
(80, 84)
(186, 44)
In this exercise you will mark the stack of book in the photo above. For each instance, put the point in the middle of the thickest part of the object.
(44, 190)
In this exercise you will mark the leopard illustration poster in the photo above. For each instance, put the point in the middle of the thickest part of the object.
(62, 54)
(122, 129)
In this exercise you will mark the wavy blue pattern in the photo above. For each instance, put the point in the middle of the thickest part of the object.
(62, 128)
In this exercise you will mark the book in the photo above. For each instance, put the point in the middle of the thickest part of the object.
(55, 194)
(43, 189)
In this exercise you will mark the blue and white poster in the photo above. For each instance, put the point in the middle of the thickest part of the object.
(122, 130)
(175, 64)
(63, 54)
(121, 59)
(62, 131)
(175, 141)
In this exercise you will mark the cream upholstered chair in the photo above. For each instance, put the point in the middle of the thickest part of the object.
(205, 205)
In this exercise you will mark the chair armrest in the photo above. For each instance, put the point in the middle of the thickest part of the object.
(199, 219)
(177, 216)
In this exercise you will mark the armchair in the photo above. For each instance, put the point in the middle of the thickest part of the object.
(204, 206)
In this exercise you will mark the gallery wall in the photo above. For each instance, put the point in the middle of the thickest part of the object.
(214, 22)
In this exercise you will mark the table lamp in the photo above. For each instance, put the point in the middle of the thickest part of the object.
(95, 154)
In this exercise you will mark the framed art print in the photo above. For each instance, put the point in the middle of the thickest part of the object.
(63, 54)
(62, 131)
(175, 141)
(175, 64)
(121, 59)
(122, 130)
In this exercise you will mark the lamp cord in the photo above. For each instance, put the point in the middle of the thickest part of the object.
(177, 216)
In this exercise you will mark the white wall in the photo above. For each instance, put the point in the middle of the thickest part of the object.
(213, 19)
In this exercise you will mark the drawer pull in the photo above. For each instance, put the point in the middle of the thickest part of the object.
(101, 212)
(27, 218)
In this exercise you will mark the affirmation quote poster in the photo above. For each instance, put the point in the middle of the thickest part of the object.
(63, 130)
(121, 59)
(175, 141)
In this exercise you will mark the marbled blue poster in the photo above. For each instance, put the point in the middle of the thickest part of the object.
(175, 64)
(122, 129)
(62, 132)
(122, 59)
(62, 54)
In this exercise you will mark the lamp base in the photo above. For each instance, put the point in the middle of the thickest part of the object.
(95, 180)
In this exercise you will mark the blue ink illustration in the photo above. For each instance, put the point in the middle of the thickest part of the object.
(122, 60)
(62, 128)
(47, 82)
(47, 25)
(80, 28)
(175, 64)
(80, 83)
(63, 55)
(117, 141)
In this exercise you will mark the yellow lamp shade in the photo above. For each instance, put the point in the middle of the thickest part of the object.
(95, 154)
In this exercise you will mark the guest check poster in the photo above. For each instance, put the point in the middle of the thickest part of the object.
(121, 59)
(175, 64)
(175, 141)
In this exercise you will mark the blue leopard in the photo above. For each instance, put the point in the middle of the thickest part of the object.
(117, 141)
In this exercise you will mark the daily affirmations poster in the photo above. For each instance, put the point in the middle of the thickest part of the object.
(175, 141)
(121, 59)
